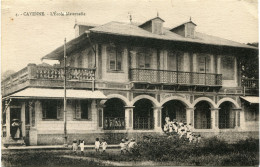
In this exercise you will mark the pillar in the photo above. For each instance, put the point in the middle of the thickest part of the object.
(35, 109)
(129, 116)
(237, 117)
(8, 125)
(218, 64)
(214, 118)
(95, 114)
(190, 116)
(100, 115)
(23, 119)
(157, 118)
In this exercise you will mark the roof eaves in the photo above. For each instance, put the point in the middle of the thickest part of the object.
(55, 54)
(176, 40)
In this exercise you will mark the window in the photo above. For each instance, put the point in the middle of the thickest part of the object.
(252, 112)
(144, 60)
(90, 56)
(203, 63)
(175, 59)
(84, 109)
(81, 109)
(228, 65)
(115, 58)
(51, 109)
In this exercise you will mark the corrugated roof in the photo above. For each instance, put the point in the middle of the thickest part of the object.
(126, 29)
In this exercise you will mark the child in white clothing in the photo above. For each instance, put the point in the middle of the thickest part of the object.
(104, 145)
(123, 146)
(97, 145)
(81, 145)
(74, 145)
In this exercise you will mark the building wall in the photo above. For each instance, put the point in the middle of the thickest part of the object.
(73, 125)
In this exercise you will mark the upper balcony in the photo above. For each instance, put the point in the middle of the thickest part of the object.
(175, 77)
(251, 86)
(47, 76)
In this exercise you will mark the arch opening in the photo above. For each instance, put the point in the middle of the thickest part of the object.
(175, 110)
(202, 115)
(227, 116)
(143, 114)
(114, 114)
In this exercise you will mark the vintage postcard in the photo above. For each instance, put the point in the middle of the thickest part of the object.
(129, 83)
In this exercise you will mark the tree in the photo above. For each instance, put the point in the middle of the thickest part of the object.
(250, 65)
(6, 74)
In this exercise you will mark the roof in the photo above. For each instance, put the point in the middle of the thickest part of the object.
(70, 46)
(86, 24)
(134, 30)
(44, 93)
(125, 29)
(183, 24)
(151, 20)
(251, 99)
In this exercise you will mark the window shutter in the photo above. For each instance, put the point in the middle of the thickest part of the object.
(44, 109)
(59, 116)
(77, 109)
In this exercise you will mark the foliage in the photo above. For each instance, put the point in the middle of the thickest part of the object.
(249, 64)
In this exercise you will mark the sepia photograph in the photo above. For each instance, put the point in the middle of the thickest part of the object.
(129, 83)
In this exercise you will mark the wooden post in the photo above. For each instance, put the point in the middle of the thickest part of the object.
(65, 100)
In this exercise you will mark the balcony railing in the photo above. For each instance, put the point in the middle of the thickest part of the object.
(174, 77)
(143, 123)
(206, 124)
(47, 73)
(250, 83)
(114, 123)
(43, 72)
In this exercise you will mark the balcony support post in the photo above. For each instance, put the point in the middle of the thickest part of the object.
(190, 116)
(157, 118)
(237, 117)
(129, 117)
(214, 118)
(8, 123)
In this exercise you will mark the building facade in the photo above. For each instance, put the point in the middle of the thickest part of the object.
(123, 79)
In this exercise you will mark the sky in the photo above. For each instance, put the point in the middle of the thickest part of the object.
(26, 39)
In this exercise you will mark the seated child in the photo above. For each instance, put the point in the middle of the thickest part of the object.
(104, 145)
(199, 138)
(190, 137)
(81, 145)
(131, 145)
(123, 146)
(194, 139)
(97, 145)
(74, 146)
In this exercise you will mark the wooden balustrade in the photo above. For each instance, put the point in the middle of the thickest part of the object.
(47, 73)
(16, 78)
(83, 74)
(250, 83)
(114, 123)
(143, 123)
(175, 77)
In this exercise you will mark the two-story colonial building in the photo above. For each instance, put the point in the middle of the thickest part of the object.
(123, 79)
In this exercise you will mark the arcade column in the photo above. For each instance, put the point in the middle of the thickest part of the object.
(214, 118)
(129, 117)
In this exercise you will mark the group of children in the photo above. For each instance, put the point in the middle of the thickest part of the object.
(127, 146)
(182, 129)
(81, 144)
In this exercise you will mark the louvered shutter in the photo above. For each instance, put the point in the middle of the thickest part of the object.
(77, 110)
(44, 109)
(59, 116)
